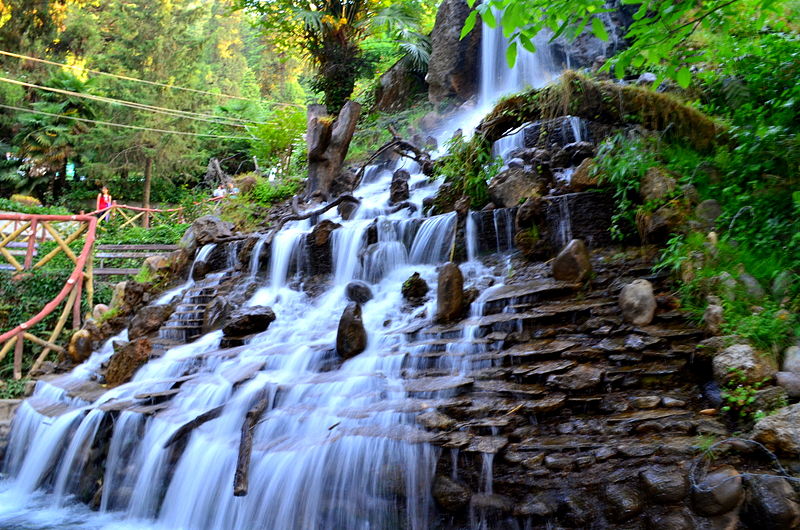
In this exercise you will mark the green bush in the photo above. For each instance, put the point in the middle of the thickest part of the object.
(469, 166)
(266, 193)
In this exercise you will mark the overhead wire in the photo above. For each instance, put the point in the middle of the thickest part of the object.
(199, 116)
(125, 126)
(137, 80)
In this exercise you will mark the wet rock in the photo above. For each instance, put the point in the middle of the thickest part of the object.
(572, 154)
(581, 378)
(743, 359)
(351, 337)
(624, 502)
(453, 65)
(790, 382)
(720, 492)
(656, 185)
(188, 241)
(511, 187)
(209, 229)
(559, 462)
(346, 209)
(216, 314)
(647, 78)
(663, 486)
(359, 292)
(659, 225)
(779, 431)
(127, 296)
(672, 403)
(491, 506)
(751, 286)
(583, 179)
(572, 263)
(99, 310)
(646, 402)
(638, 303)
(713, 318)
(320, 251)
(541, 506)
(770, 398)
(398, 189)
(127, 358)
(770, 503)
(674, 520)
(248, 320)
(415, 289)
(80, 346)
(452, 496)
(436, 421)
(147, 320)
(450, 294)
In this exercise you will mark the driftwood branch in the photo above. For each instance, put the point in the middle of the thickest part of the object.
(241, 478)
(403, 148)
(299, 217)
(188, 427)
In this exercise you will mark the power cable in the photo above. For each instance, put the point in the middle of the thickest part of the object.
(111, 124)
(141, 106)
(154, 83)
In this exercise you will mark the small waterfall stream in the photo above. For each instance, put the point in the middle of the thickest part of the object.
(338, 447)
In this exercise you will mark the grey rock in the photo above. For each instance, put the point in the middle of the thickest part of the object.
(398, 189)
(511, 187)
(726, 284)
(790, 382)
(454, 62)
(638, 303)
(647, 78)
(516, 163)
(779, 431)
(358, 291)
(572, 263)
(791, 359)
(782, 283)
(624, 502)
(742, 358)
(720, 492)
(646, 402)
(209, 229)
(580, 378)
(217, 313)
(572, 154)
(751, 286)
(713, 318)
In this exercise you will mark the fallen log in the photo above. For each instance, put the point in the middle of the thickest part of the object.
(188, 427)
(241, 477)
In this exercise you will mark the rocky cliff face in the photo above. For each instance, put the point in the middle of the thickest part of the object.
(454, 64)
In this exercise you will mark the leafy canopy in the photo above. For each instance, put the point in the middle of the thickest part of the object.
(657, 35)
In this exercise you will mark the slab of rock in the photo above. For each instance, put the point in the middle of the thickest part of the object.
(127, 358)
(572, 263)
(663, 486)
(720, 492)
(582, 179)
(581, 378)
(779, 431)
(436, 421)
(450, 294)
(147, 320)
(351, 337)
(743, 359)
(210, 228)
(452, 496)
(638, 302)
(358, 291)
(512, 186)
(248, 320)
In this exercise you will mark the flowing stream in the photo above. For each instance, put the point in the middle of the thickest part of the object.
(338, 447)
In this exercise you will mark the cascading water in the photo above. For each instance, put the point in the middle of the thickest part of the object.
(338, 447)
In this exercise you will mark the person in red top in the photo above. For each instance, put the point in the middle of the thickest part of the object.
(104, 202)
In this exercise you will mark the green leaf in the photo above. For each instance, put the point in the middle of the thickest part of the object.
(469, 24)
(488, 18)
(599, 29)
(683, 77)
(511, 54)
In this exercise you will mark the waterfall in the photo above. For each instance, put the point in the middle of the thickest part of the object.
(255, 257)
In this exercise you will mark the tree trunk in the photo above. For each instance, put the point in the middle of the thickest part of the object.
(327, 145)
(148, 178)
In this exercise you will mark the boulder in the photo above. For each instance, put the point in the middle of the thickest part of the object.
(663, 486)
(157, 265)
(454, 62)
(707, 212)
(659, 225)
(572, 154)
(99, 310)
(127, 296)
(582, 179)
(638, 303)
(751, 286)
(351, 337)
(450, 293)
(127, 358)
(657, 185)
(720, 492)
(624, 502)
(713, 318)
(414, 289)
(248, 320)
(791, 359)
(511, 187)
(572, 263)
(147, 320)
(790, 382)
(210, 228)
(359, 292)
(450, 495)
(80, 346)
(398, 189)
(188, 241)
(320, 249)
(770, 503)
(779, 431)
(744, 360)
(216, 314)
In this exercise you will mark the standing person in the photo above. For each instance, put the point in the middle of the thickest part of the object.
(104, 202)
